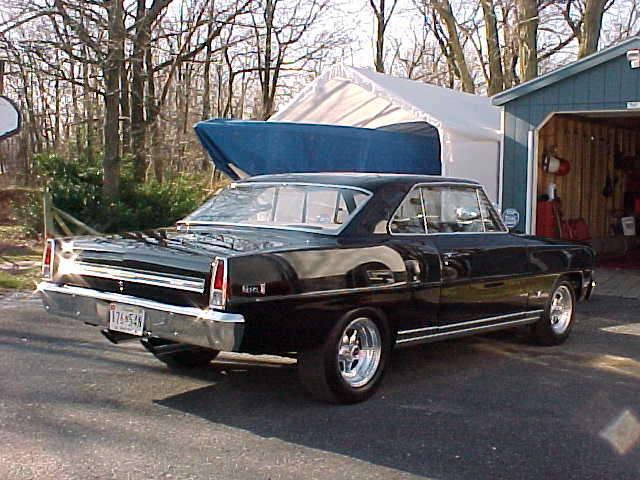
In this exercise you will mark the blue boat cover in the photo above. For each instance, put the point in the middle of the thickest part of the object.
(239, 147)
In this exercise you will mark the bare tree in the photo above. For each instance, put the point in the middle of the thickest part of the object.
(283, 43)
(87, 73)
(382, 15)
(445, 29)
(496, 73)
(112, 71)
(584, 18)
(527, 17)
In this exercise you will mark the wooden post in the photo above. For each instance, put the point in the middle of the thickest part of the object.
(47, 204)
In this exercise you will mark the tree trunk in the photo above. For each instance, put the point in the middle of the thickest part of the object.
(591, 27)
(206, 93)
(111, 130)
(125, 106)
(125, 109)
(380, 28)
(496, 75)
(138, 80)
(57, 130)
(2, 64)
(206, 88)
(88, 110)
(152, 110)
(267, 104)
(443, 8)
(382, 21)
(528, 38)
(77, 119)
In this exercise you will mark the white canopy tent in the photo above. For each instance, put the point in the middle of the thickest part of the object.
(468, 125)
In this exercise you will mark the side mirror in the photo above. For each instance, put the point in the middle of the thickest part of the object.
(10, 118)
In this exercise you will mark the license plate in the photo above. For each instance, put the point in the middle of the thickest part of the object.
(127, 319)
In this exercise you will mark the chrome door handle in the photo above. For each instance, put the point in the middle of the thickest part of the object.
(413, 270)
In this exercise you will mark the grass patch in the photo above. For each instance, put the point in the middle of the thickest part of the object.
(16, 246)
(14, 234)
(20, 279)
(19, 257)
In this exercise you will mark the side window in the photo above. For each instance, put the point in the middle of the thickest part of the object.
(452, 210)
(409, 217)
(321, 206)
(492, 222)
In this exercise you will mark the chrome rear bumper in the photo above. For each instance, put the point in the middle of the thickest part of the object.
(192, 325)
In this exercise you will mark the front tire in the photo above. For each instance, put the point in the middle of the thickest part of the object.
(349, 365)
(555, 325)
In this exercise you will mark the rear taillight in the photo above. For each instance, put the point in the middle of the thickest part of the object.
(218, 295)
(47, 258)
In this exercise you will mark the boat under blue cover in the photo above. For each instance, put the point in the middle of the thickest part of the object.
(239, 148)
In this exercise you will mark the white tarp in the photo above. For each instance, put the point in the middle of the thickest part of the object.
(468, 125)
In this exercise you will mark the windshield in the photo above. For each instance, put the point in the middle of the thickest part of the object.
(322, 208)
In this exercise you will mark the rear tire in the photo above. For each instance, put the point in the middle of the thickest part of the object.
(180, 356)
(555, 325)
(349, 365)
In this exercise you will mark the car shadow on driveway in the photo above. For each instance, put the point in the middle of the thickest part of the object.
(449, 410)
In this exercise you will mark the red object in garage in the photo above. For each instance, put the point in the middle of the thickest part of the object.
(636, 206)
(555, 165)
(545, 220)
(632, 182)
(564, 168)
(579, 230)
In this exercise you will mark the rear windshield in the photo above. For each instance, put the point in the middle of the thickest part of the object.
(321, 208)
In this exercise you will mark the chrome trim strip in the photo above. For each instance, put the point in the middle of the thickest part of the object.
(472, 322)
(183, 223)
(481, 328)
(424, 212)
(196, 312)
(191, 284)
(305, 184)
(337, 291)
(416, 330)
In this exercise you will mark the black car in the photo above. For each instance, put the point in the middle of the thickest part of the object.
(333, 269)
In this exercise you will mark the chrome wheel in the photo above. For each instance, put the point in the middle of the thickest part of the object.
(359, 352)
(561, 309)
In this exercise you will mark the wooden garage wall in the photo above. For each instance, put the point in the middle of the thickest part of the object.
(590, 147)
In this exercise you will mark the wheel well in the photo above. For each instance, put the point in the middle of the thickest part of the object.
(575, 279)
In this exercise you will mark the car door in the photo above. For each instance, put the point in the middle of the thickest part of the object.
(408, 236)
(484, 268)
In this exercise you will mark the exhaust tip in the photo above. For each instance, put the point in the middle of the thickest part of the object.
(116, 337)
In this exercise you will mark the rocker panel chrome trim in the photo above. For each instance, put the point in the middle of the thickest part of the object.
(471, 322)
(481, 328)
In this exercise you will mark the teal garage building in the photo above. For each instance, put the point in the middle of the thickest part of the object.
(584, 117)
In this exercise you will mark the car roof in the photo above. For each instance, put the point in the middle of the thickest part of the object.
(367, 181)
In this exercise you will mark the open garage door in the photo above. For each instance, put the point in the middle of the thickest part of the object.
(587, 182)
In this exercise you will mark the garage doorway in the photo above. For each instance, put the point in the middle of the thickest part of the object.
(586, 182)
